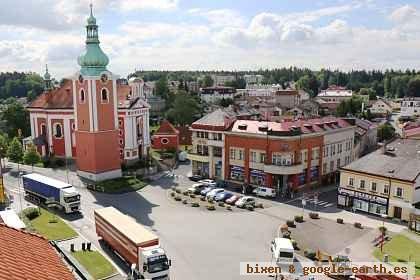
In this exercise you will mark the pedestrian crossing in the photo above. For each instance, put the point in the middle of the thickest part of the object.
(318, 203)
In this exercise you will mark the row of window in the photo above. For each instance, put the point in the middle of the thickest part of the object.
(332, 149)
(374, 187)
(104, 96)
(205, 135)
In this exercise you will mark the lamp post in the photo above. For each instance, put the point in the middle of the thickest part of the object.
(19, 192)
(384, 216)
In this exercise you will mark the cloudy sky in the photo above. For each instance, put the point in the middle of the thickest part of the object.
(209, 35)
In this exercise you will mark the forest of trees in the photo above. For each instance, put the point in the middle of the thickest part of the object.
(16, 84)
(389, 83)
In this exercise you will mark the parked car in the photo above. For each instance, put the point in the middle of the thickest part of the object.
(196, 188)
(206, 190)
(244, 201)
(208, 182)
(233, 199)
(195, 178)
(211, 194)
(222, 196)
(264, 192)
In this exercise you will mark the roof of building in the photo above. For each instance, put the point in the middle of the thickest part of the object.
(216, 118)
(166, 128)
(11, 219)
(306, 126)
(400, 161)
(28, 256)
(334, 90)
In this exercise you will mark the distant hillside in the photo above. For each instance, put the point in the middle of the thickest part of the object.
(17, 84)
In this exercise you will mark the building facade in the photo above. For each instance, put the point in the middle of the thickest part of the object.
(214, 94)
(92, 112)
(281, 155)
(385, 182)
(410, 107)
(381, 107)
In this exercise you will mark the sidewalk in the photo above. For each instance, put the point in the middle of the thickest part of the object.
(65, 248)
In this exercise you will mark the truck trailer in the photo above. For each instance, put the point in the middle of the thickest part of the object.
(45, 190)
(135, 244)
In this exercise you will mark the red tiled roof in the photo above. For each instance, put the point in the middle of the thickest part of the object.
(59, 98)
(26, 256)
(166, 128)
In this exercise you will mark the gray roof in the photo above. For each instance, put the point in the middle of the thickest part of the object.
(401, 161)
(215, 118)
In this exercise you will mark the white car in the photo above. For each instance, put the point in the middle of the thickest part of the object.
(211, 194)
(208, 182)
(244, 201)
(196, 188)
(264, 192)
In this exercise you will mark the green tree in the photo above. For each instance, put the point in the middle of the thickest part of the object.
(226, 102)
(15, 117)
(350, 107)
(207, 81)
(15, 150)
(184, 109)
(310, 84)
(161, 87)
(31, 155)
(414, 87)
(385, 132)
(368, 91)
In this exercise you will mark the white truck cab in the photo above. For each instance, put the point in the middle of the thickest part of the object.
(283, 251)
(155, 263)
(70, 199)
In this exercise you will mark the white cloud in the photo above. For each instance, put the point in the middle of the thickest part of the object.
(404, 14)
(130, 5)
(220, 17)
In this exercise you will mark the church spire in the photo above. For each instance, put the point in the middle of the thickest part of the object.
(94, 60)
(47, 79)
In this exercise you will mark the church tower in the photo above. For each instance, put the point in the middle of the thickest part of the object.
(47, 80)
(95, 105)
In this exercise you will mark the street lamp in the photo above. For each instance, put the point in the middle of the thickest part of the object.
(19, 192)
(384, 216)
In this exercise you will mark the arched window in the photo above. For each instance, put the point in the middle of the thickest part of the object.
(43, 129)
(104, 95)
(82, 96)
(58, 131)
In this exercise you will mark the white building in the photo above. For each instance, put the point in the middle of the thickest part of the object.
(221, 80)
(214, 94)
(253, 79)
(410, 107)
(335, 94)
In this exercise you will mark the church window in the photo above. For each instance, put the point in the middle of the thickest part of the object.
(104, 95)
(82, 96)
(58, 131)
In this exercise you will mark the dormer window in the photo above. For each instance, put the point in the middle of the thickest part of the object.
(104, 95)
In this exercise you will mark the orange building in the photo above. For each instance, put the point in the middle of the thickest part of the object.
(93, 117)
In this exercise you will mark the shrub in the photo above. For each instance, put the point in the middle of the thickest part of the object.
(31, 213)
(290, 223)
(229, 208)
(211, 201)
(192, 195)
(310, 254)
(173, 194)
(177, 190)
(250, 207)
(340, 221)
(221, 204)
(357, 225)
(211, 207)
(259, 205)
(314, 215)
(299, 219)
(178, 198)
(286, 234)
(383, 230)
(185, 201)
(186, 193)
(59, 162)
(195, 204)
(202, 198)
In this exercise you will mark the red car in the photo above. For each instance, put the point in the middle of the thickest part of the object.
(233, 199)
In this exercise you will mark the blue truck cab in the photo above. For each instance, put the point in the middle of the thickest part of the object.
(46, 190)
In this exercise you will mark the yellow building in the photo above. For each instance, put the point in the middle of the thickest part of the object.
(385, 182)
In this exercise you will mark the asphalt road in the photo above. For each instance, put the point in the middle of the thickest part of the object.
(202, 244)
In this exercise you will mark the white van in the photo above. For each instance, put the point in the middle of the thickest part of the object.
(283, 251)
(264, 192)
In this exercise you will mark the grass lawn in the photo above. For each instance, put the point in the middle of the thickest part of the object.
(96, 264)
(123, 184)
(399, 249)
(51, 226)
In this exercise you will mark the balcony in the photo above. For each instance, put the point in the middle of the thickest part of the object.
(215, 143)
(284, 169)
(198, 157)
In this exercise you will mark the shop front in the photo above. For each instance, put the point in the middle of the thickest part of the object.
(200, 168)
(361, 201)
(237, 173)
(257, 177)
